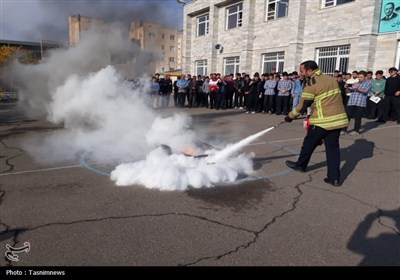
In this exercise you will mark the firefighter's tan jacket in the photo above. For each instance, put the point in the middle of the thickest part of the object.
(327, 110)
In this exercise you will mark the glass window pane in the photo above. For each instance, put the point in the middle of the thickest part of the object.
(232, 21)
(283, 8)
(280, 66)
(338, 2)
(202, 29)
(232, 10)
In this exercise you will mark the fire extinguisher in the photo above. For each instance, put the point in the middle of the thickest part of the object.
(306, 125)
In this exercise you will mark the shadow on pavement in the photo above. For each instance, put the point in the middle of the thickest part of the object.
(382, 250)
(10, 234)
(352, 155)
(369, 126)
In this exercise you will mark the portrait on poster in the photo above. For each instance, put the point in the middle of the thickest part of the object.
(390, 16)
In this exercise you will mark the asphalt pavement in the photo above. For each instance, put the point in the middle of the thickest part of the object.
(73, 215)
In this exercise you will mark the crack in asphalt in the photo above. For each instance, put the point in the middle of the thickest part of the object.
(381, 214)
(131, 217)
(258, 233)
(379, 210)
(10, 165)
(344, 194)
(2, 193)
(386, 150)
(244, 246)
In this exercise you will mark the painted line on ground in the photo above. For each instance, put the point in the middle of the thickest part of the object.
(49, 169)
(41, 170)
(107, 174)
(247, 179)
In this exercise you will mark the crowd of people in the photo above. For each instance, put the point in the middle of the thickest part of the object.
(328, 102)
(278, 93)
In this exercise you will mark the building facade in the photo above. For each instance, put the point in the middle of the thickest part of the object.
(78, 25)
(164, 42)
(229, 36)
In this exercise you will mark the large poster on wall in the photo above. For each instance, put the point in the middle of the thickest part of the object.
(390, 16)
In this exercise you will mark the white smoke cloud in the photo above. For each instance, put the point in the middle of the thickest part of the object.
(105, 116)
(177, 172)
(101, 46)
(174, 132)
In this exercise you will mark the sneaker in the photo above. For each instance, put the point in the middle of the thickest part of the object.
(235, 107)
(247, 112)
(343, 133)
(241, 108)
(354, 133)
(253, 112)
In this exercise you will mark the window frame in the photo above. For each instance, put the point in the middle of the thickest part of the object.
(239, 19)
(276, 10)
(206, 22)
(279, 57)
(342, 52)
(236, 64)
(172, 37)
(332, 3)
(203, 66)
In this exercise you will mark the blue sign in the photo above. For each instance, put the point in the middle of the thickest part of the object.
(389, 20)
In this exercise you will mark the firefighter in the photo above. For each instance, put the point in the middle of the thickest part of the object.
(328, 117)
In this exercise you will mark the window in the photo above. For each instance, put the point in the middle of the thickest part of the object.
(331, 3)
(201, 67)
(172, 59)
(333, 58)
(273, 60)
(202, 25)
(162, 47)
(163, 36)
(231, 65)
(172, 37)
(152, 35)
(277, 9)
(234, 16)
(172, 48)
